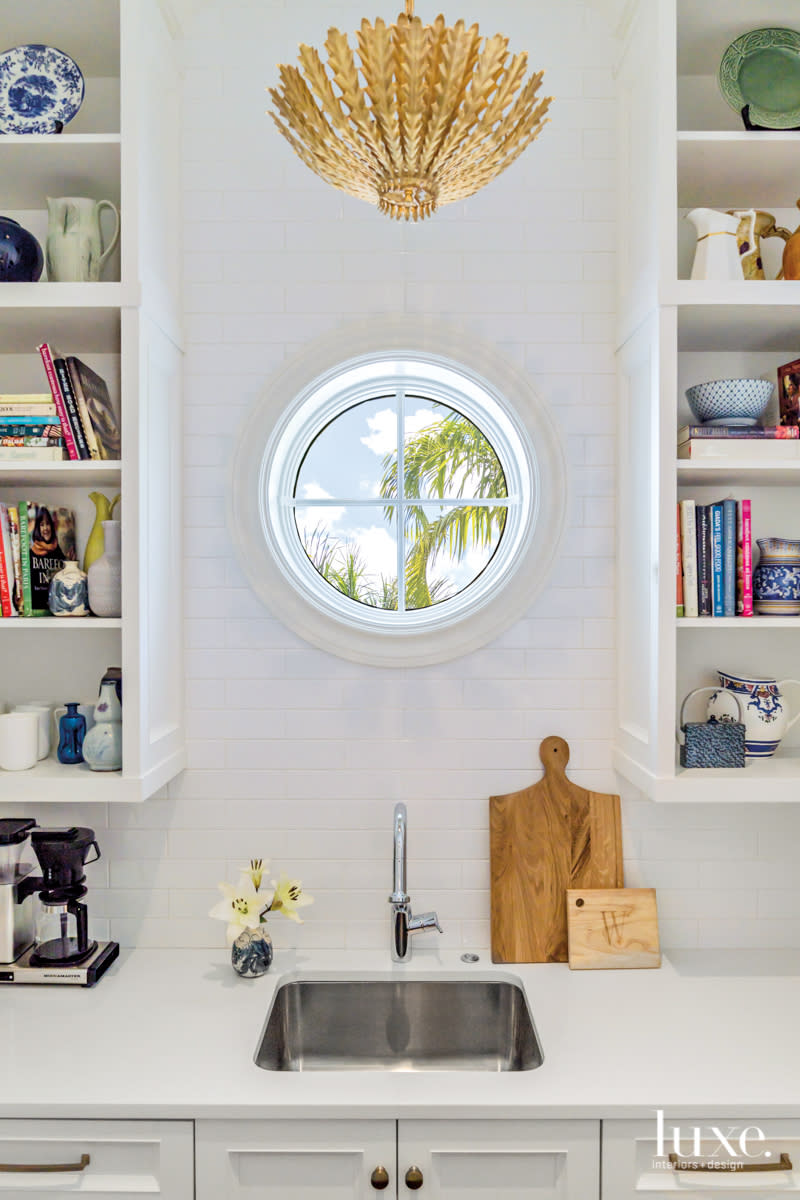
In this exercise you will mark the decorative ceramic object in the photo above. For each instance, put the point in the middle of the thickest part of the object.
(760, 71)
(74, 244)
(711, 743)
(725, 401)
(776, 579)
(71, 732)
(791, 255)
(754, 227)
(765, 717)
(252, 953)
(19, 741)
(716, 255)
(104, 511)
(44, 713)
(69, 592)
(102, 746)
(41, 89)
(21, 259)
(105, 575)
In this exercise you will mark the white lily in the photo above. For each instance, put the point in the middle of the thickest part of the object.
(288, 897)
(242, 906)
(256, 871)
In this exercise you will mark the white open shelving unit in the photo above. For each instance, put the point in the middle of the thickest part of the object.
(683, 147)
(128, 329)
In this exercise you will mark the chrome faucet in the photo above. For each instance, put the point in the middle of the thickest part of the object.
(403, 923)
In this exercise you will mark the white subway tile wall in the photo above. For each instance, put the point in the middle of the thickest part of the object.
(296, 755)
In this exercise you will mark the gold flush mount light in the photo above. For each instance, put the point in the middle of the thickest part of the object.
(436, 117)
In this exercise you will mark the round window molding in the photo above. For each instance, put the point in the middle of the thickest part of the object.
(393, 359)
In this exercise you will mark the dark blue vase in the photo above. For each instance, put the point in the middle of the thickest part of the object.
(71, 732)
(21, 258)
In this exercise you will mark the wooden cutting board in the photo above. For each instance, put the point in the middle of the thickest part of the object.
(550, 837)
(612, 928)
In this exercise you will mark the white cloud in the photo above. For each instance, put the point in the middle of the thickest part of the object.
(327, 515)
(382, 437)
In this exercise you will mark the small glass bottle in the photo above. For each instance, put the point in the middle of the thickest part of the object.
(71, 732)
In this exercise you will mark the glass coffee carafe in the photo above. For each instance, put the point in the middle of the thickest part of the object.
(62, 935)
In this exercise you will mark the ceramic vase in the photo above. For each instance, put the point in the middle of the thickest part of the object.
(69, 592)
(716, 254)
(71, 734)
(105, 575)
(766, 719)
(104, 511)
(776, 579)
(102, 746)
(251, 953)
(74, 244)
(21, 258)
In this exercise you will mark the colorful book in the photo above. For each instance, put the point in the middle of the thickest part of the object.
(8, 559)
(729, 557)
(25, 400)
(51, 538)
(71, 447)
(25, 558)
(689, 556)
(16, 591)
(741, 433)
(6, 564)
(31, 453)
(678, 568)
(716, 560)
(71, 404)
(30, 439)
(43, 426)
(704, 579)
(741, 450)
(91, 390)
(79, 392)
(747, 558)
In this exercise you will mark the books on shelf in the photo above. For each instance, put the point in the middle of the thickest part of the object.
(739, 433)
(40, 540)
(82, 403)
(763, 443)
(714, 554)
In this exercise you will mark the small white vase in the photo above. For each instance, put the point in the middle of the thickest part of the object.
(105, 575)
(102, 746)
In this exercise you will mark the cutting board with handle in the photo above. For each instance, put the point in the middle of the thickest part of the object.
(545, 839)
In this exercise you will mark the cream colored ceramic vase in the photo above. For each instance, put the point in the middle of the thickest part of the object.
(74, 248)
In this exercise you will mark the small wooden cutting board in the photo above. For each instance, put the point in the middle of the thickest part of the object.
(612, 928)
(545, 839)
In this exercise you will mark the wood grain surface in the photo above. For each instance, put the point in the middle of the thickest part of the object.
(612, 928)
(545, 839)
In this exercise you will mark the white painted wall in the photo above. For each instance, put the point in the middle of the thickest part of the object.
(296, 755)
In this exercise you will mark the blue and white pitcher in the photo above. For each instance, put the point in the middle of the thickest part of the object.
(766, 718)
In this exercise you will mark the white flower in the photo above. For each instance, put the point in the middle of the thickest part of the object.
(289, 896)
(256, 871)
(242, 906)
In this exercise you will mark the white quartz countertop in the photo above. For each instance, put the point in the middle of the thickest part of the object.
(169, 1034)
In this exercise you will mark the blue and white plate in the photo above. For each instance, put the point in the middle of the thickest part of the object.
(41, 88)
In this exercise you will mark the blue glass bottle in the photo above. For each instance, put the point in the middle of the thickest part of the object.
(71, 732)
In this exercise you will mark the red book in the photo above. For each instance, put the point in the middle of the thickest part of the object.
(61, 408)
(5, 590)
(747, 559)
(679, 571)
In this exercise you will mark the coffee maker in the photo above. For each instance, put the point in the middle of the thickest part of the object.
(44, 925)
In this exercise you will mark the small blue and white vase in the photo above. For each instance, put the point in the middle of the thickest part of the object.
(251, 953)
(102, 746)
(69, 592)
(776, 579)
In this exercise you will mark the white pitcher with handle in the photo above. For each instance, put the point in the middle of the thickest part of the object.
(765, 717)
(716, 254)
(74, 249)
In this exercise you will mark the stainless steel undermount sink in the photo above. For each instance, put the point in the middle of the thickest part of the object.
(387, 1024)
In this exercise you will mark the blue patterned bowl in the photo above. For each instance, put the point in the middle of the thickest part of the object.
(722, 400)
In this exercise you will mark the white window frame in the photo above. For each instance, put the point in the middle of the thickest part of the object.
(330, 376)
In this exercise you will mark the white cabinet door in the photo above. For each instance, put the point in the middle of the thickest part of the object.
(101, 1159)
(499, 1160)
(633, 1168)
(294, 1160)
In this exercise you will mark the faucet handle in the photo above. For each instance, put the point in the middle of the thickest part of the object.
(428, 920)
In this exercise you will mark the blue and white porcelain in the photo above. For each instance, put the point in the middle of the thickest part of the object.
(41, 89)
(766, 719)
(69, 592)
(102, 746)
(251, 953)
(776, 579)
(729, 401)
(21, 258)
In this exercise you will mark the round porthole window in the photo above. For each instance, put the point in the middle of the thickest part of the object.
(397, 507)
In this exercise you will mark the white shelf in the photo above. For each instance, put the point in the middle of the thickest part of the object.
(765, 780)
(740, 623)
(737, 170)
(33, 167)
(86, 623)
(50, 780)
(755, 314)
(90, 473)
(734, 473)
(77, 316)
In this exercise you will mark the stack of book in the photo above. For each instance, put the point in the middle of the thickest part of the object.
(714, 576)
(35, 542)
(88, 421)
(765, 443)
(30, 427)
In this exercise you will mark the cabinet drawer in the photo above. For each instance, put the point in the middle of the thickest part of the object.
(102, 1159)
(633, 1166)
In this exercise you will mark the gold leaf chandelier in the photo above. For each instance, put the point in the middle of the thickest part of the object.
(436, 118)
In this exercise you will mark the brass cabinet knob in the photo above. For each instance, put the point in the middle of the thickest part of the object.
(379, 1178)
(414, 1179)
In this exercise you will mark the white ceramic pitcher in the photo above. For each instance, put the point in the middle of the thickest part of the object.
(716, 254)
(765, 717)
(74, 249)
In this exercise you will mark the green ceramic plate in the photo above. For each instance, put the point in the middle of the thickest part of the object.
(762, 69)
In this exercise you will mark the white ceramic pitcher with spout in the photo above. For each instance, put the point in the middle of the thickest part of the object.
(74, 249)
(766, 717)
(716, 254)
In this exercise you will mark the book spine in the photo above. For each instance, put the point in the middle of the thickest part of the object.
(717, 604)
(747, 433)
(678, 567)
(31, 454)
(31, 439)
(689, 555)
(28, 428)
(58, 400)
(729, 558)
(747, 560)
(16, 594)
(83, 408)
(5, 591)
(703, 560)
(8, 557)
(25, 559)
(65, 383)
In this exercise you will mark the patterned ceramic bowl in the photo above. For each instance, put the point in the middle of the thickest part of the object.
(720, 400)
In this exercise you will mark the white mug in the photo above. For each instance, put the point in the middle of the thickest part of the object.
(19, 740)
(44, 714)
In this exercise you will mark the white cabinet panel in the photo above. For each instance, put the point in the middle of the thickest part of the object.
(633, 1167)
(103, 1159)
(304, 1160)
(501, 1160)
